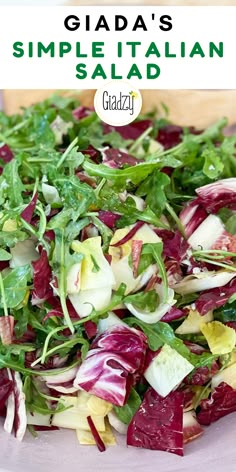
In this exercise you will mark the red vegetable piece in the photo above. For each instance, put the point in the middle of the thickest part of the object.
(131, 131)
(116, 159)
(6, 387)
(6, 154)
(42, 275)
(173, 314)
(110, 365)
(192, 215)
(217, 195)
(221, 403)
(108, 218)
(136, 250)
(191, 428)
(214, 298)
(6, 329)
(130, 234)
(97, 438)
(82, 112)
(158, 423)
(27, 213)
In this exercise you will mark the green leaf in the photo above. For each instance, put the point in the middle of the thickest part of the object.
(147, 301)
(213, 165)
(109, 200)
(74, 194)
(11, 184)
(15, 285)
(135, 173)
(155, 249)
(105, 232)
(10, 238)
(126, 413)
(153, 188)
(226, 313)
(5, 255)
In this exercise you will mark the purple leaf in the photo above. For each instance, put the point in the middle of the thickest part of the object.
(6, 154)
(172, 315)
(6, 387)
(221, 403)
(42, 275)
(27, 213)
(218, 194)
(174, 245)
(6, 329)
(130, 234)
(131, 131)
(108, 218)
(158, 423)
(82, 112)
(114, 357)
(116, 159)
(169, 136)
(136, 254)
(192, 216)
(20, 420)
(216, 297)
(96, 436)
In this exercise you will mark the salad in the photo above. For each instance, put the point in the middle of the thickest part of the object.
(117, 276)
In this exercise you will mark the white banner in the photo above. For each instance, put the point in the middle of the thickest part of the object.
(84, 47)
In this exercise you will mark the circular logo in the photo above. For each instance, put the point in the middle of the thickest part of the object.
(118, 103)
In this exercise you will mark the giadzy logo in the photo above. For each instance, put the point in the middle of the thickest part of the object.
(118, 103)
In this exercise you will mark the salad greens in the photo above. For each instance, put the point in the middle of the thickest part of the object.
(117, 276)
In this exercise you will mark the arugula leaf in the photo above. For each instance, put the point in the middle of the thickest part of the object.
(153, 188)
(15, 285)
(213, 165)
(5, 255)
(155, 249)
(126, 412)
(146, 301)
(226, 313)
(135, 173)
(74, 194)
(105, 232)
(11, 184)
(109, 200)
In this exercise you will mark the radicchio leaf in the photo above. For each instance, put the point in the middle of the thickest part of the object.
(218, 194)
(6, 153)
(6, 387)
(129, 235)
(158, 423)
(169, 136)
(20, 420)
(42, 275)
(6, 329)
(221, 403)
(131, 131)
(82, 112)
(202, 375)
(114, 357)
(174, 245)
(136, 250)
(192, 216)
(97, 438)
(116, 159)
(172, 315)
(212, 299)
(108, 218)
(27, 213)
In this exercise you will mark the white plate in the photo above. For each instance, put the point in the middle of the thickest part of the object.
(59, 451)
